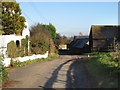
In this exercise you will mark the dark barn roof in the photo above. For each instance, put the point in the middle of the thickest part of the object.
(100, 32)
(80, 37)
(79, 41)
(102, 37)
(79, 45)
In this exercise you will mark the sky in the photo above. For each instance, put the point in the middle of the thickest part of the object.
(71, 18)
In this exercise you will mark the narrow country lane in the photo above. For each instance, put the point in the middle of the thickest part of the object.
(63, 72)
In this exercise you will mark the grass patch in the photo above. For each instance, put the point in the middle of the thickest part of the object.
(104, 69)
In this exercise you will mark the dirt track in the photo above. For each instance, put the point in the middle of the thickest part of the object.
(64, 72)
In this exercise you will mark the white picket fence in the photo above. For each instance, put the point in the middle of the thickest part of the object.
(7, 61)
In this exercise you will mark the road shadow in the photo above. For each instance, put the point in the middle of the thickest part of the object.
(78, 76)
(53, 78)
(68, 52)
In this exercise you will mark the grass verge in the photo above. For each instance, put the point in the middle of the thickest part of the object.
(104, 69)
(3, 72)
(3, 75)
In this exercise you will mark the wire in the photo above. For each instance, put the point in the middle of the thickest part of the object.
(39, 14)
(27, 16)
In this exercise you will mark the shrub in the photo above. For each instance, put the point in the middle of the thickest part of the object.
(53, 49)
(39, 43)
(3, 71)
(14, 51)
(106, 60)
(104, 68)
(115, 55)
(24, 46)
(42, 37)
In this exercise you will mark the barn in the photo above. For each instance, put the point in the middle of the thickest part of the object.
(103, 38)
(79, 45)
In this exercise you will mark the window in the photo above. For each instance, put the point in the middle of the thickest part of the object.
(18, 43)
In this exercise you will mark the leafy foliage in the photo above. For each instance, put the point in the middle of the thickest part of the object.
(39, 43)
(12, 21)
(116, 56)
(106, 60)
(3, 71)
(47, 39)
(24, 45)
(41, 39)
(52, 30)
(14, 51)
(52, 47)
(62, 39)
(104, 69)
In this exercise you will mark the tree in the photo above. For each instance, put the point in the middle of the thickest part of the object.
(39, 43)
(40, 28)
(57, 40)
(41, 39)
(119, 34)
(12, 21)
(52, 30)
(62, 40)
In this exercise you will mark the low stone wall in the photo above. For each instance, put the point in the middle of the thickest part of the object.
(7, 61)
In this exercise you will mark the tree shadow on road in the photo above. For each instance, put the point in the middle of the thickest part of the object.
(78, 76)
(68, 52)
(53, 78)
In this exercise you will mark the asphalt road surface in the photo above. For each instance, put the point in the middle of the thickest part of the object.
(64, 72)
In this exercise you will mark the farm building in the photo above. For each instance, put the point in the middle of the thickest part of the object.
(79, 45)
(103, 38)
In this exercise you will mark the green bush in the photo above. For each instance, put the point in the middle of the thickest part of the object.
(105, 59)
(42, 39)
(3, 71)
(24, 46)
(39, 43)
(116, 56)
(14, 51)
(104, 68)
